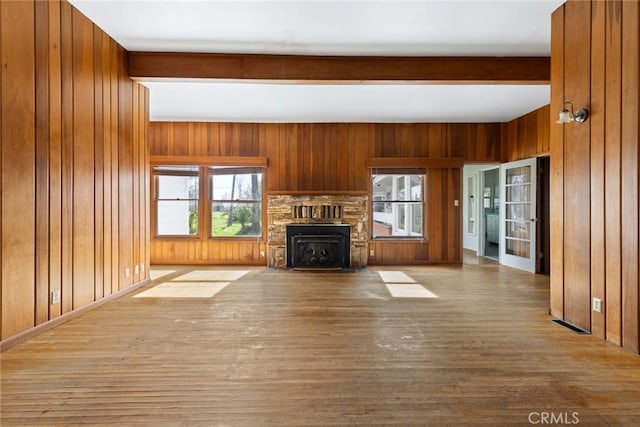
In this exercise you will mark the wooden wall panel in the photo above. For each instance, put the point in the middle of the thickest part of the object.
(629, 173)
(83, 161)
(240, 252)
(612, 206)
(577, 298)
(1, 174)
(116, 54)
(125, 174)
(61, 139)
(526, 136)
(324, 157)
(98, 160)
(55, 156)
(66, 68)
(328, 157)
(598, 96)
(42, 162)
(18, 166)
(599, 170)
(556, 178)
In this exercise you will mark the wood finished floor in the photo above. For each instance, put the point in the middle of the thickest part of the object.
(280, 348)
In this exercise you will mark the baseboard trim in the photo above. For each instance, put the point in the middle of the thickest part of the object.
(30, 333)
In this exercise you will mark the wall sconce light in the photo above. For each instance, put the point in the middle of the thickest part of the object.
(567, 116)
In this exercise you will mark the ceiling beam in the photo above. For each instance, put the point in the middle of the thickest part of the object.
(340, 69)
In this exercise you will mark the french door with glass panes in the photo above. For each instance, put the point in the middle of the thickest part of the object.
(518, 214)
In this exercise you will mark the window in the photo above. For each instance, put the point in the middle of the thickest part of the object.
(236, 201)
(176, 200)
(229, 205)
(398, 204)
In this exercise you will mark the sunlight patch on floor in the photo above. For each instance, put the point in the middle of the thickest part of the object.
(403, 290)
(209, 275)
(395, 277)
(183, 290)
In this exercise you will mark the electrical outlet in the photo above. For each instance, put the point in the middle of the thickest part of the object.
(136, 269)
(55, 297)
(127, 272)
(261, 254)
(456, 203)
(372, 253)
(597, 305)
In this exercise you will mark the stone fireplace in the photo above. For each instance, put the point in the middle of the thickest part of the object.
(316, 223)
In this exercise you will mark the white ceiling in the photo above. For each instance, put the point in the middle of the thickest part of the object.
(407, 28)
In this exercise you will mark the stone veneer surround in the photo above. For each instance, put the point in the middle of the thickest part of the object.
(280, 213)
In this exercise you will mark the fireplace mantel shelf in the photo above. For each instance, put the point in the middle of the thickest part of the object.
(317, 193)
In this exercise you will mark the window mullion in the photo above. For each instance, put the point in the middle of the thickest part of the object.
(203, 204)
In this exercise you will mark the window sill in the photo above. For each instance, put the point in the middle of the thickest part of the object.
(398, 239)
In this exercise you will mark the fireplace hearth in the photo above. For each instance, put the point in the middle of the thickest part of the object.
(318, 246)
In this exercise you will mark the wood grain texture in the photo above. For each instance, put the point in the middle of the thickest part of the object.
(488, 70)
(600, 184)
(526, 136)
(83, 161)
(66, 228)
(125, 175)
(18, 106)
(597, 119)
(329, 158)
(41, 11)
(1, 162)
(612, 207)
(55, 157)
(98, 160)
(279, 348)
(630, 121)
(556, 147)
(60, 87)
(577, 297)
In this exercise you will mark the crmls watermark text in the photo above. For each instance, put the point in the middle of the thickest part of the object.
(562, 418)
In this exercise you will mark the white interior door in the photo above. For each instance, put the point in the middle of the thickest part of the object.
(518, 214)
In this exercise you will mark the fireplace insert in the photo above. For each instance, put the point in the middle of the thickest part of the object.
(318, 246)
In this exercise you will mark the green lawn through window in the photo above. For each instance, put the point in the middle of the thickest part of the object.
(220, 227)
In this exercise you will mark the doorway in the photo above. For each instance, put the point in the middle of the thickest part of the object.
(490, 213)
(543, 225)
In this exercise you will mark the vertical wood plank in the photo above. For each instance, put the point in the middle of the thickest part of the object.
(598, 93)
(629, 174)
(135, 177)
(83, 160)
(577, 262)
(115, 167)
(107, 269)
(66, 45)
(98, 161)
(612, 204)
(18, 169)
(125, 171)
(42, 162)
(55, 156)
(1, 175)
(556, 143)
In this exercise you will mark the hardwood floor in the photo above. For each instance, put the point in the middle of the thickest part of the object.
(274, 348)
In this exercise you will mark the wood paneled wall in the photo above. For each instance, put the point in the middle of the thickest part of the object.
(594, 168)
(316, 158)
(75, 168)
(526, 136)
